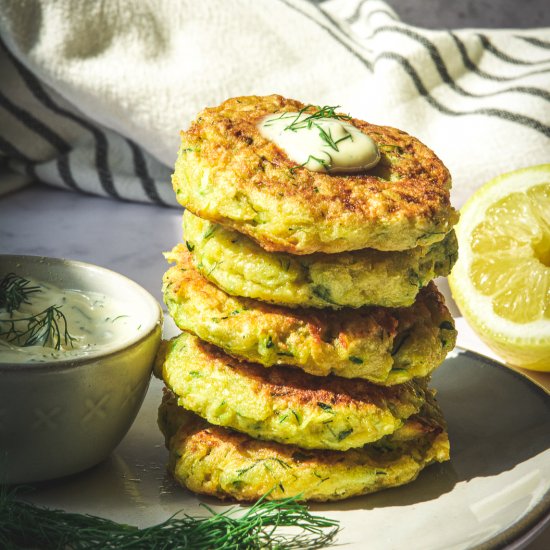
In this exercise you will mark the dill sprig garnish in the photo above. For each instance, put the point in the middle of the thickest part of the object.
(323, 162)
(298, 122)
(47, 328)
(329, 140)
(26, 525)
(14, 291)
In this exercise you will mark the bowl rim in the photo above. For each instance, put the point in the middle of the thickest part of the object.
(115, 349)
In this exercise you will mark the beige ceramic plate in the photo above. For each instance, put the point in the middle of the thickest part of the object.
(494, 492)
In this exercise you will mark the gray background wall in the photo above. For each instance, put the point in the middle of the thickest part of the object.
(473, 13)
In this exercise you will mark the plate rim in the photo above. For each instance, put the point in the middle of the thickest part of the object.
(528, 527)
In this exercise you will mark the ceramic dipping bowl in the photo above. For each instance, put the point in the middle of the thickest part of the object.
(63, 416)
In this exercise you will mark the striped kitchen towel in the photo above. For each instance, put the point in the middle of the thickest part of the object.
(93, 94)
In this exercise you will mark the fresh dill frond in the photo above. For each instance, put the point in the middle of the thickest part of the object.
(329, 140)
(47, 328)
(26, 525)
(297, 123)
(324, 163)
(14, 291)
(327, 111)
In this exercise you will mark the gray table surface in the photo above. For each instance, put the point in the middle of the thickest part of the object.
(49, 222)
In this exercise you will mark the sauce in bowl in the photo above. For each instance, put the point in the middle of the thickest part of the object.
(52, 323)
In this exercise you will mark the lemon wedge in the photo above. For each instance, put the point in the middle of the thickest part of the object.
(501, 282)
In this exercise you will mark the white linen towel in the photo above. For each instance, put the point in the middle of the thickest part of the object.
(93, 93)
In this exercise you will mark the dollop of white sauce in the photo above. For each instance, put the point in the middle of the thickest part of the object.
(321, 144)
(95, 322)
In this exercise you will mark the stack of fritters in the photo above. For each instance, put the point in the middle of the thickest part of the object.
(310, 321)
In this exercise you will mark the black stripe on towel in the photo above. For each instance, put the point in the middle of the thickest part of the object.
(140, 168)
(356, 12)
(535, 41)
(498, 113)
(448, 79)
(385, 12)
(62, 162)
(101, 150)
(12, 152)
(64, 168)
(485, 42)
(46, 133)
(469, 64)
(352, 51)
(35, 125)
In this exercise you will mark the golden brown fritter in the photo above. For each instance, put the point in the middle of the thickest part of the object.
(383, 345)
(241, 267)
(217, 461)
(228, 173)
(283, 404)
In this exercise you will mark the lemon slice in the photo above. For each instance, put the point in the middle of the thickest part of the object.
(501, 281)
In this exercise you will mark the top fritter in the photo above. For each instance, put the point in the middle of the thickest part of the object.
(228, 172)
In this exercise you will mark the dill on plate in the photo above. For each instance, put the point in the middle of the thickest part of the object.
(25, 525)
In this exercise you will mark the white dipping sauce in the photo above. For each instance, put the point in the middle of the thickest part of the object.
(95, 322)
(321, 144)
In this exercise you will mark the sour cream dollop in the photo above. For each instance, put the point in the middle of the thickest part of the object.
(321, 144)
